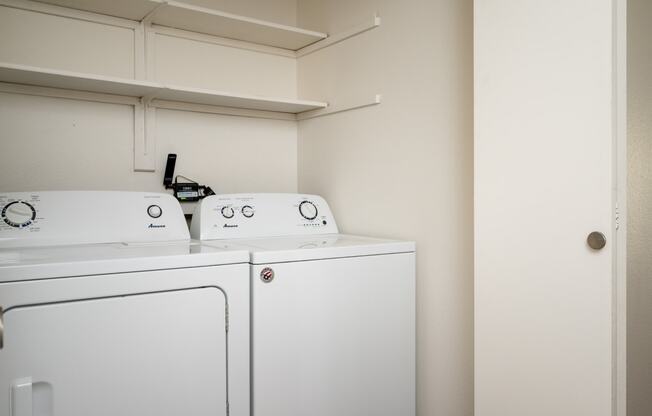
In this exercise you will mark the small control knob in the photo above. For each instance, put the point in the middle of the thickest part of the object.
(18, 214)
(308, 210)
(248, 211)
(227, 212)
(154, 211)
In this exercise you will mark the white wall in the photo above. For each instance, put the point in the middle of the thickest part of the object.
(639, 232)
(50, 143)
(403, 169)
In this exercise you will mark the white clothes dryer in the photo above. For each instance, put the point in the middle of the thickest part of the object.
(333, 315)
(108, 309)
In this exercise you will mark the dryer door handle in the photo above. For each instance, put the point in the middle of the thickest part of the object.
(30, 397)
(2, 330)
(21, 397)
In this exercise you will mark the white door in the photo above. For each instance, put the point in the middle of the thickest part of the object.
(149, 354)
(548, 118)
(335, 337)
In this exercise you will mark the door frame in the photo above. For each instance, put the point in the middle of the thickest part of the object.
(620, 207)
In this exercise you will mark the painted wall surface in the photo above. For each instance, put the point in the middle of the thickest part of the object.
(58, 144)
(205, 65)
(40, 39)
(639, 231)
(50, 144)
(403, 169)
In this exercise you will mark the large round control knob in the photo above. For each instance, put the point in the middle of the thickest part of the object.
(18, 214)
(247, 211)
(154, 211)
(227, 212)
(308, 210)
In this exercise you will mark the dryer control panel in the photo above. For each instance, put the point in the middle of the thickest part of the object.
(88, 217)
(261, 215)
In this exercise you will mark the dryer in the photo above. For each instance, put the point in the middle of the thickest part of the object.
(333, 315)
(109, 309)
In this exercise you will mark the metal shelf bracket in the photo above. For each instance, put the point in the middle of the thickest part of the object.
(144, 136)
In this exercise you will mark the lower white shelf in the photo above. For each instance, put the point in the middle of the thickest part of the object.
(223, 99)
(36, 76)
(30, 75)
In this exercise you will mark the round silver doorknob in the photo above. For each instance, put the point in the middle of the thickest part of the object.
(596, 240)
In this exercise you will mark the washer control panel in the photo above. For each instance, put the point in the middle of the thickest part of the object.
(86, 217)
(261, 215)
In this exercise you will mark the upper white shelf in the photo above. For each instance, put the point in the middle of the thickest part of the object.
(200, 19)
(127, 9)
(35, 76)
(227, 25)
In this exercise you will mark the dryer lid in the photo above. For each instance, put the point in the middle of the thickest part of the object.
(29, 263)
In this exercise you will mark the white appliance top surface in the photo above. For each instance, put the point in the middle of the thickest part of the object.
(30, 263)
(315, 247)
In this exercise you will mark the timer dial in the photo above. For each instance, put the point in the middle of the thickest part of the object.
(227, 212)
(308, 210)
(18, 214)
(154, 211)
(247, 211)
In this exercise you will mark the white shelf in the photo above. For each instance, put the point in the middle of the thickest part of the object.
(28, 75)
(201, 20)
(213, 22)
(225, 99)
(127, 9)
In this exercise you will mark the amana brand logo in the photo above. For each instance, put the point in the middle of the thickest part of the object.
(156, 226)
(230, 225)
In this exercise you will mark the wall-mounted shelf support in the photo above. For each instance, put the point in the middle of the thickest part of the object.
(145, 135)
(340, 107)
(372, 23)
(145, 51)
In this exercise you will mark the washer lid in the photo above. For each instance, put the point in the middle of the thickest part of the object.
(315, 247)
(31, 263)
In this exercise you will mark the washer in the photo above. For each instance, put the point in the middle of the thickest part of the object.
(109, 309)
(333, 315)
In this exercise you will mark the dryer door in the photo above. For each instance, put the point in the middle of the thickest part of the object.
(146, 354)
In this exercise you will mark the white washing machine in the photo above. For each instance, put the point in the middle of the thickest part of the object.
(108, 309)
(333, 316)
